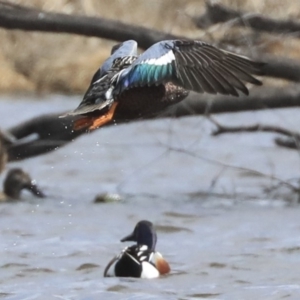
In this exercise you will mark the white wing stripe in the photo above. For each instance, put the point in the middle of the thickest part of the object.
(132, 258)
(163, 60)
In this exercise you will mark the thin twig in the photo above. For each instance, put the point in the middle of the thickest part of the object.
(252, 128)
(218, 13)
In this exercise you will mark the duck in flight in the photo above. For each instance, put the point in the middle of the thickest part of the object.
(129, 86)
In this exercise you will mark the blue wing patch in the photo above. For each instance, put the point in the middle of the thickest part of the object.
(154, 66)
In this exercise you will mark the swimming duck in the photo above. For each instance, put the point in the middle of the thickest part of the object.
(128, 86)
(140, 260)
(17, 180)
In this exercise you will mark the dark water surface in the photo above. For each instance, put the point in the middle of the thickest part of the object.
(228, 233)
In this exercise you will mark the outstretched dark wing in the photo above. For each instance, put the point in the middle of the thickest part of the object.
(194, 65)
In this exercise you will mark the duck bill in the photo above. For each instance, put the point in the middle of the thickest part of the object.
(128, 238)
(34, 189)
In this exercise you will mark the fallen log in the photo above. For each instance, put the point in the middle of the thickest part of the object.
(50, 132)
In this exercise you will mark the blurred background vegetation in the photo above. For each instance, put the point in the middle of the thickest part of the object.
(38, 62)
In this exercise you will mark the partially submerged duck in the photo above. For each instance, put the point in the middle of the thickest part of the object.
(128, 86)
(17, 180)
(140, 260)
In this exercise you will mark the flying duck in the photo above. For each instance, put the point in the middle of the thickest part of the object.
(129, 86)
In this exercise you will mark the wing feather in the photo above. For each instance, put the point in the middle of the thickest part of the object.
(226, 86)
(194, 65)
(232, 78)
(216, 83)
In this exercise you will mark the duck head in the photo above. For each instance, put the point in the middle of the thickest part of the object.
(17, 180)
(143, 234)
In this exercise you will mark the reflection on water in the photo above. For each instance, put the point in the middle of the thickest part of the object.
(225, 235)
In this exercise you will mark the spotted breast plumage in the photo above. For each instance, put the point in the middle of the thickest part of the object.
(140, 260)
(129, 86)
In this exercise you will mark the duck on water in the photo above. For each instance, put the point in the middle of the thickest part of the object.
(140, 260)
(16, 179)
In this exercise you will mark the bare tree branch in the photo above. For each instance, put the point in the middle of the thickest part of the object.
(259, 98)
(238, 168)
(280, 67)
(292, 142)
(13, 16)
(218, 13)
(252, 128)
